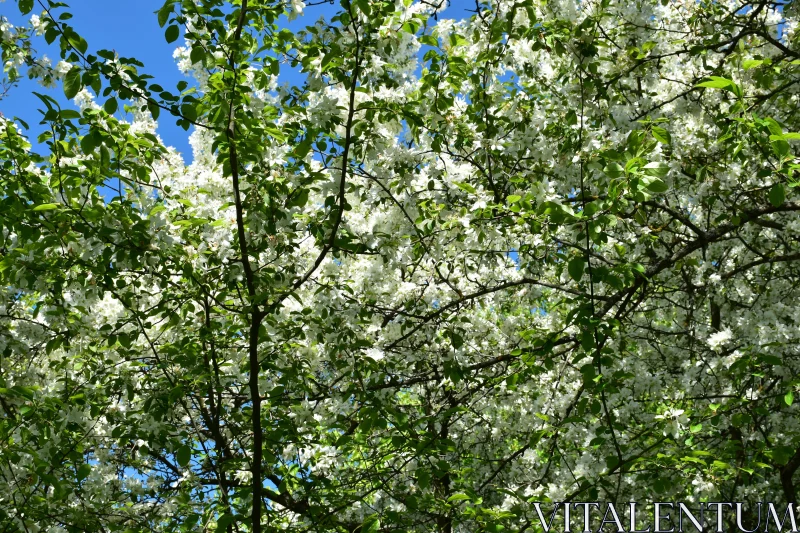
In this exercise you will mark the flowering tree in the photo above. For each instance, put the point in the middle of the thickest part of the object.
(548, 253)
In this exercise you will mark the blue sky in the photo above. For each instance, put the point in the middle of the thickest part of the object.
(130, 27)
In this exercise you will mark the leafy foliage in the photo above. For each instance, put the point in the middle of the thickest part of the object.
(548, 252)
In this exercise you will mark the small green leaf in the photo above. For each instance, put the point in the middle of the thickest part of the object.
(782, 454)
(172, 34)
(371, 524)
(89, 142)
(780, 147)
(154, 109)
(457, 340)
(183, 455)
(69, 114)
(72, 82)
(752, 63)
(175, 393)
(50, 34)
(298, 199)
(789, 398)
(423, 478)
(662, 135)
(457, 497)
(716, 82)
(513, 198)
(773, 127)
(197, 55)
(575, 268)
(164, 13)
(777, 195)
(77, 41)
(657, 185)
(571, 118)
(656, 169)
(224, 521)
(25, 6)
(189, 112)
(110, 106)
(363, 6)
(105, 157)
(302, 149)
(430, 40)
(614, 170)
(45, 207)
(466, 187)
(83, 472)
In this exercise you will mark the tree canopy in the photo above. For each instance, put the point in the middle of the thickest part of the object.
(545, 253)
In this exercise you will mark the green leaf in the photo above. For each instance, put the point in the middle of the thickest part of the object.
(781, 454)
(752, 63)
(25, 6)
(513, 198)
(740, 419)
(72, 82)
(571, 118)
(76, 41)
(780, 147)
(662, 135)
(175, 393)
(423, 478)
(777, 195)
(105, 157)
(613, 170)
(457, 497)
(69, 114)
(45, 207)
(172, 34)
(197, 54)
(50, 34)
(83, 472)
(363, 6)
(773, 127)
(302, 149)
(716, 82)
(457, 340)
(154, 109)
(371, 524)
(183, 455)
(466, 187)
(25, 392)
(110, 106)
(575, 268)
(789, 398)
(163, 14)
(430, 40)
(656, 169)
(298, 199)
(189, 112)
(224, 521)
(656, 185)
(89, 142)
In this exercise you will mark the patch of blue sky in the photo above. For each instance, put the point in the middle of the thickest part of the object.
(513, 254)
